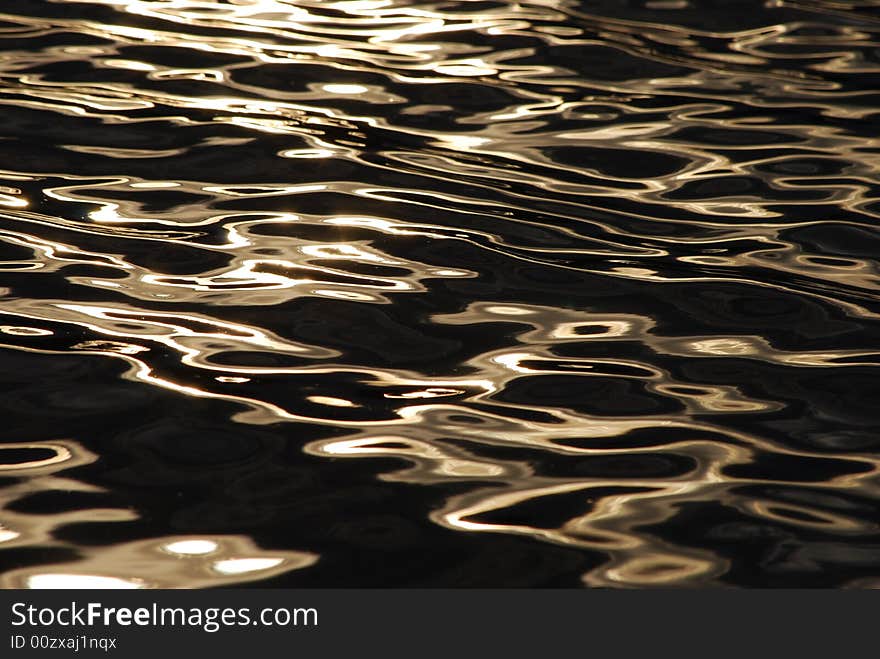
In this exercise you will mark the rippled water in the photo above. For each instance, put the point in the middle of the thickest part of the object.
(381, 293)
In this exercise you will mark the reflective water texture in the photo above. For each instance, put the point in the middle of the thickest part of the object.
(383, 293)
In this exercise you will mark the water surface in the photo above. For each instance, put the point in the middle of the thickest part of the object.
(382, 293)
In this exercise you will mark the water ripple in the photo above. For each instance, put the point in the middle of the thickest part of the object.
(591, 288)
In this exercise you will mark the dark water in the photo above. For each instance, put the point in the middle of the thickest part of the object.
(385, 293)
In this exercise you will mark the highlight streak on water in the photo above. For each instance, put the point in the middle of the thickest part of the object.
(368, 293)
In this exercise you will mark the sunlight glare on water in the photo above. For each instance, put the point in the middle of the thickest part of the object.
(485, 293)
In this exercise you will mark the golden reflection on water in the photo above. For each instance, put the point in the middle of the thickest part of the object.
(163, 563)
(309, 210)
